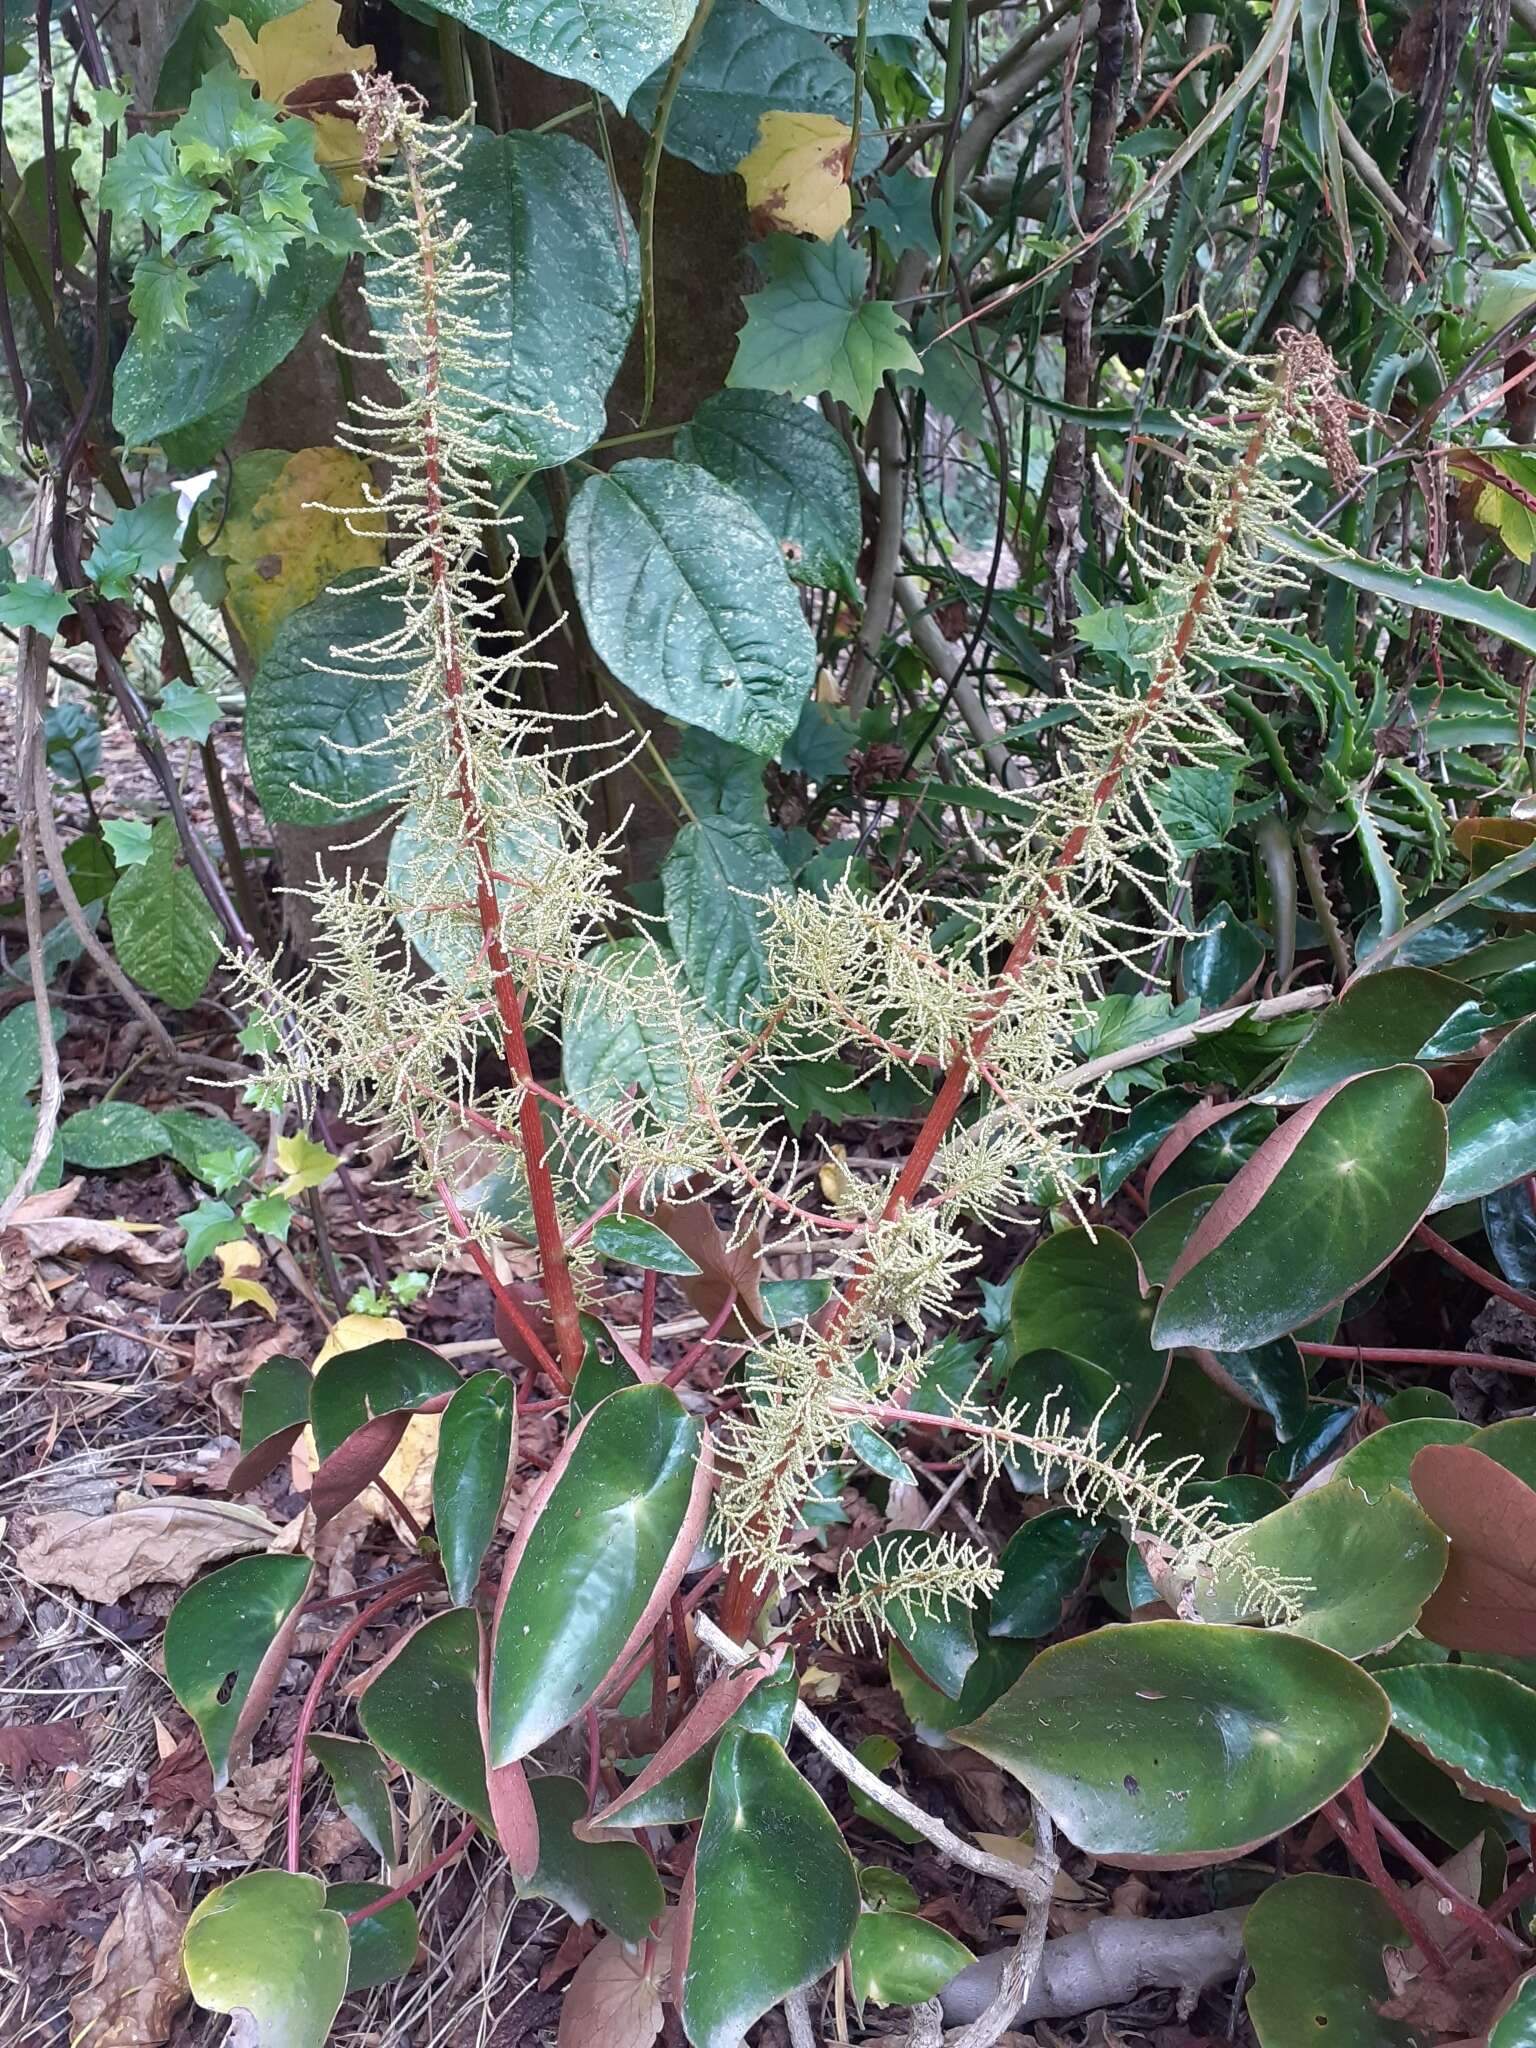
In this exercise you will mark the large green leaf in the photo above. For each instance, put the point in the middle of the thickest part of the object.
(384, 1945)
(1385, 1458)
(608, 1536)
(788, 462)
(162, 927)
(609, 1880)
(611, 44)
(710, 881)
(674, 1785)
(267, 1944)
(420, 1708)
(1081, 1292)
(615, 1044)
(391, 1377)
(1042, 1565)
(1378, 1022)
(469, 1480)
(112, 1134)
(1492, 1122)
(274, 1413)
(555, 240)
(686, 599)
(1172, 1743)
(1480, 1725)
(1514, 2024)
(812, 329)
(1320, 1207)
(769, 1856)
(309, 708)
(1315, 1947)
(898, 1959)
(225, 1646)
(360, 1779)
(1364, 1566)
(634, 1241)
(237, 335)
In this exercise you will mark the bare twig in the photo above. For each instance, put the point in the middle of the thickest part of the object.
(1023, 1966)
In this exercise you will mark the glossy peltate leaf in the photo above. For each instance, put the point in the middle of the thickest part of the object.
(1479, 1725)
(469, 1480)
(1082, 1293)
(898, 1959)
(1043, 1564)
(1320, 1207)
(360, 1405)
(420, 1707)
(1220, 958)
(674, 1785)
(790, 464)
(225, 1646)
(360, 1779)
(1378, 1022)
(1159, 1241)
(1168, 1744)
(635, 1242)
(686, 599)
(1315, 1947)
(769, 1855)
(1271, 1378)
(1364, 1567)
(604, 1542)
(384, 1945)
(268, 1944)
(1487, 1599)
(1385, 1458)
(274, 1413)
(602, 1373)
(1492, 1122)
(1054, 1387)
(610, 1879)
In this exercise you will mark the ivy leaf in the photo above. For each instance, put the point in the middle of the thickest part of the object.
(255, 248)
(130, 840)
(34, 603)
(270, 1214)
(797, 176)
(225, 125)
(145, 182)
(185, 713)
(208, 1226)
(305, 1164)
(810, 329)
(140, 541)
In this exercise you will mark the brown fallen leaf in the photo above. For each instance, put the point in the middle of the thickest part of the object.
(137, 1986)
(180, 1786)
(251, 1802)
(41, 1746)
(32, 1909)
(58, 1237)
(614, 2000)
(102, 1557)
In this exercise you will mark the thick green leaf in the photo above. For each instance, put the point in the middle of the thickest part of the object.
(225, 1644)
(1159, 1241)
(1479, 1725)
(1043, 1565)
(685, 597)
(360, 1779)
(547, 228)
(112, 1134)
(611, 44)
(469, 1480)
(608, 1535)
(615, 1041)
(274, 1413)
(939, 1637)
(1365, 1567)
(433, 890)
(710, 882)
(610, 1881)
(1450, 597)
(419, 1706)
(1314, 1944)
(1492, 1122)
(1082, 1293)
(268, 1945)
(769, 1856)
(1377, 1022)
(238, 335)
(307, 712)
(1514, 2024)
(683, 1793)
(1054, 1388)
(899, 1959)
(354, 1387)
(635, 1242)
(1320, 1208)
(1385, 1458)
(210, 1148)
(811, 329)
(162, 926)
(384, 1945)
(788, 462)
(1169, 1744)
(1219, 958)
(1271, 1378)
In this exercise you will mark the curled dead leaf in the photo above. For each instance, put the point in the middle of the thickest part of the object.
(102, 1557)
(137, 1986)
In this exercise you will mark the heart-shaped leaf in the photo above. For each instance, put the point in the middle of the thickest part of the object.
(420, 1707)
(360, 1405)
(1492, 1122)
(792, 465)
(1514, 2024)
(384, 1945)
(898, 1959)
(635, 1242)
(600, 1550)
(1083, 1294)
(1480, 1725)
(225, 1646)
(610, 1879)
(1169, 1744)
(469, 1480)
(674, 1785)
(936, 1634)
(268, 1944)
(769, 1855)
(1377, 1022)
(1043, 1565)
(1314, 1944)
(1487, 1599)
(112, 1134)
(360, 1779)
(1385, 1457)
(273, 1416)
(1320, 1207)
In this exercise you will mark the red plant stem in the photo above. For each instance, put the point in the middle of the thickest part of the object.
(412, 1581)
(505, 1299)
(1360, 1840)
(743, 1595)
(691, 1357)
(1378, 1354)
(594, 1758)
(1512, 1896)
(541, 1192)
(1526, 1303)
(400, 1508)
(659, 1636)
(647, 1312)
(439, 1862)
(687, 1682)
(1466, 1910)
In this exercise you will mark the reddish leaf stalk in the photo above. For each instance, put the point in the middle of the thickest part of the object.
(1359, 1838)
(440, 1861)
(1491, 1282)
(1380, 1354)
(1466, 1910)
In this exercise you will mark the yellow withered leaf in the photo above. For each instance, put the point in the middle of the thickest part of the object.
(235, 1263)
(279, 546)
(354, 1333)
(292, 51)
(305, 1164)
(797, 177)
